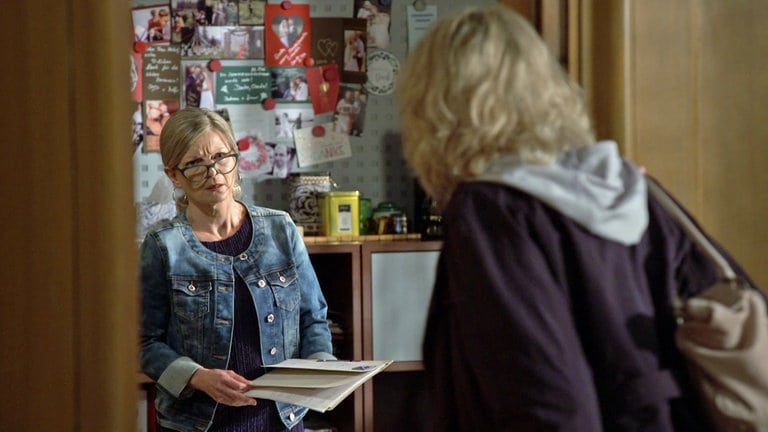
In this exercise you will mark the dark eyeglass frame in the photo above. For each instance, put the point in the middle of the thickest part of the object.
(208, 168)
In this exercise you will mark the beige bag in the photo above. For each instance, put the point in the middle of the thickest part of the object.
(723, 334)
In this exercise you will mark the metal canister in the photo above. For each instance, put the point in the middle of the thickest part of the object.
(340, 213)
(303, 206)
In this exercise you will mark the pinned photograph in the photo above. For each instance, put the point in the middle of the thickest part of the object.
(289, 84)
(287, 120)
(156, 114)
(284, 160)
(207, 42)
(354, 50)
(251, 12)
(376, 13)
(199, 86)
(152, 24)
(349, 117)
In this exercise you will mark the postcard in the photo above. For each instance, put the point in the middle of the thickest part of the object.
(313, 148)
(242, 84)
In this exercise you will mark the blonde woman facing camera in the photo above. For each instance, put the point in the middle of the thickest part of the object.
(551, 308)
(227, 288)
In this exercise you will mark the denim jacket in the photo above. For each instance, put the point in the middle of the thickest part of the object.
(188, 307)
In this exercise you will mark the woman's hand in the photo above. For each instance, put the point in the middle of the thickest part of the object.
(224, 386)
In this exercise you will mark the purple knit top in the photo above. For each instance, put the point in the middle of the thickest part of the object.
(245, 353)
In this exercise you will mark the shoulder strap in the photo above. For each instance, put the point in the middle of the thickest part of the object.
(725, 270)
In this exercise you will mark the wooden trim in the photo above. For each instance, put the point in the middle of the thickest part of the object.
(574, 38)
(353, 250)
(71, 325)
(106, 279)
(405, 366)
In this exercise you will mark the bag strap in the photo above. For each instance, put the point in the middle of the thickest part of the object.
(677, 213)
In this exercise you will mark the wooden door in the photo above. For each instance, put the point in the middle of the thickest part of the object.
(68, 317)
(681, 85)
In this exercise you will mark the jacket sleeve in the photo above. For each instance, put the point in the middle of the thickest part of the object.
(158, 360)
(314, 334)
(516, 354)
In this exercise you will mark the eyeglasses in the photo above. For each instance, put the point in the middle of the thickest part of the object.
(197, 174)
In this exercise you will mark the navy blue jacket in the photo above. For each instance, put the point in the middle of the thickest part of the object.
(537, 324)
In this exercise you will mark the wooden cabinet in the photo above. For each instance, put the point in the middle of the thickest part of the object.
(339, 270)
(380, 291)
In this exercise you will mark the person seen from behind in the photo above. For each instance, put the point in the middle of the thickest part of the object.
(551, 309)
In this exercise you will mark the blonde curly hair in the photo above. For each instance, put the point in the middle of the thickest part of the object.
(482, 84)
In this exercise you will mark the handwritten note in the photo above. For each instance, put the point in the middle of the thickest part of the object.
(313, 150)
(161, 72)
(243, 85)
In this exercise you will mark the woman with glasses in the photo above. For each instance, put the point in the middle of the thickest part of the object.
(227, 289)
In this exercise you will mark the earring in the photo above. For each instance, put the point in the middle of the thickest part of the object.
(180, 197)
(237, 189)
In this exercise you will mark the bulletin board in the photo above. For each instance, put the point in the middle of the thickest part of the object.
(375, 168)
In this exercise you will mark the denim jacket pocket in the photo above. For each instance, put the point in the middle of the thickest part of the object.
(285, 286)
(191, 297)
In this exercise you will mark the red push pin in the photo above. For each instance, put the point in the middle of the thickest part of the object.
(286, 4)
(268, 104)
(309, 62)
(330, 75)
(140, 47)
(244, 143)
(214, 65)
(318, 131)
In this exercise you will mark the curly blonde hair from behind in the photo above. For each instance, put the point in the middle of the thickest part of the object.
(479, 85)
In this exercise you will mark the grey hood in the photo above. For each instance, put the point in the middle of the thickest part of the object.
(592, 185)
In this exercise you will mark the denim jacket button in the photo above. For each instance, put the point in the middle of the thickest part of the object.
(273, 351)
(282, 278)
(262, 284)
(191, 287)
(292, 416)
(243, 256)
(270, 318)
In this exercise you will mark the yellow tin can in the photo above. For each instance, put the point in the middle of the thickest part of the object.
(340, 213)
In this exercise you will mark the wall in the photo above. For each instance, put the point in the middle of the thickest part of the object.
(376, 167)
